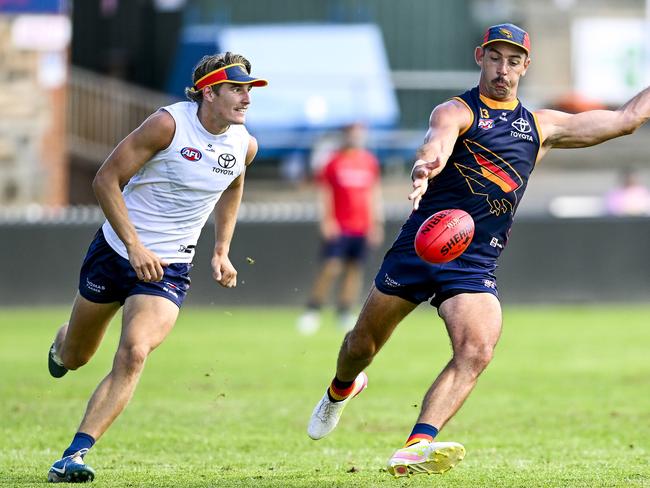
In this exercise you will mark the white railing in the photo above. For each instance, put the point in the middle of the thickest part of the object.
(257, 212)
(103, 110)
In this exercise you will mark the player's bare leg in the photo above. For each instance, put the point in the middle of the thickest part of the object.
(349, 293)
(147, 320)
(77, 340)
(329, 272)
(379, 316)
(309, 321)
(473, 322)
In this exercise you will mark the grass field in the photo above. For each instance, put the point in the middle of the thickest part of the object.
(225, 401)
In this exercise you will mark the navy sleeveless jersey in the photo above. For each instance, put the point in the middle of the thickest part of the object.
(487, 172)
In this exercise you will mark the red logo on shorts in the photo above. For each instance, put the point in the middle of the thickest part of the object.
(191, 154)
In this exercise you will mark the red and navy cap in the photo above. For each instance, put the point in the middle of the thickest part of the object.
(233, 73)
(507, 33)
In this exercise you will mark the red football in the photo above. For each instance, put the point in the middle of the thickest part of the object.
(444, 236)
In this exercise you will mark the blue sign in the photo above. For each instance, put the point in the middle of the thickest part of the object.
(33, 6)
(329, 76)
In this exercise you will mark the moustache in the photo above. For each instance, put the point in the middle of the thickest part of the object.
(501, 80)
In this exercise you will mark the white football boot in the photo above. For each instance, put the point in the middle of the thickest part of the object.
(327, 413)
(425, 458)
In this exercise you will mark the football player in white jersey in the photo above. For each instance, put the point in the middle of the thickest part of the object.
(157, 189)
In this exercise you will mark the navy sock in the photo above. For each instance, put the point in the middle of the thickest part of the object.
(80, 441)
(421, 432)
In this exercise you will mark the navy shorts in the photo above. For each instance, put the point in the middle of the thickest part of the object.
(404, 274)
(107, 277)
(346, 247)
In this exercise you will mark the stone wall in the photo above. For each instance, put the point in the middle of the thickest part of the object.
(32, 132)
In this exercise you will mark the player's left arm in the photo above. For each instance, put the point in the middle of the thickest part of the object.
(225, 218)
(563, 130)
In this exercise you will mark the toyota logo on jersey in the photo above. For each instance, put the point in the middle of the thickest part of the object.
(226, 160)
(191, 154)
(521, 125)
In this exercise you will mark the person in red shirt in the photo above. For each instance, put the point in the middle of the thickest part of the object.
(351, 221)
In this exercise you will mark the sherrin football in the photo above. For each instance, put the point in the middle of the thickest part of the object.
(444, 236)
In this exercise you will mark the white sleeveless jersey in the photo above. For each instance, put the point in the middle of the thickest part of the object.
(170, 198)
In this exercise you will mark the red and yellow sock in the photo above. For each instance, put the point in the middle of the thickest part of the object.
(340, 390)
(421, 432)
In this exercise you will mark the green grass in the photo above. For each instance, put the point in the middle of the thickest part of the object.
(225, 402)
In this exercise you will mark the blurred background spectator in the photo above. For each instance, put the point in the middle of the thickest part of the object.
(630, 197)
(351, 221)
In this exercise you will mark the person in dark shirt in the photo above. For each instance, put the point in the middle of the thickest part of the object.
(480, 149)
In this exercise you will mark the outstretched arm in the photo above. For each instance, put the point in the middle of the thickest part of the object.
(225, 217)
(584, 129)
(447, 121)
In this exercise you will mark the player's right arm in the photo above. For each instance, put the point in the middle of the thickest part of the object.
(329, 228)
(155, 134)
(328, 225)
(446, 123)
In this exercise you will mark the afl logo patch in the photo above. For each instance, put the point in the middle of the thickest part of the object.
(191, 154)
(226, 161)
(485, 124)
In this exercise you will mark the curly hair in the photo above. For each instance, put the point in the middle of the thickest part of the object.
(210, 63)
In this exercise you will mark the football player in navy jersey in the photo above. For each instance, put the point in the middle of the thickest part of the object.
(480, 150)
(186, 161)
